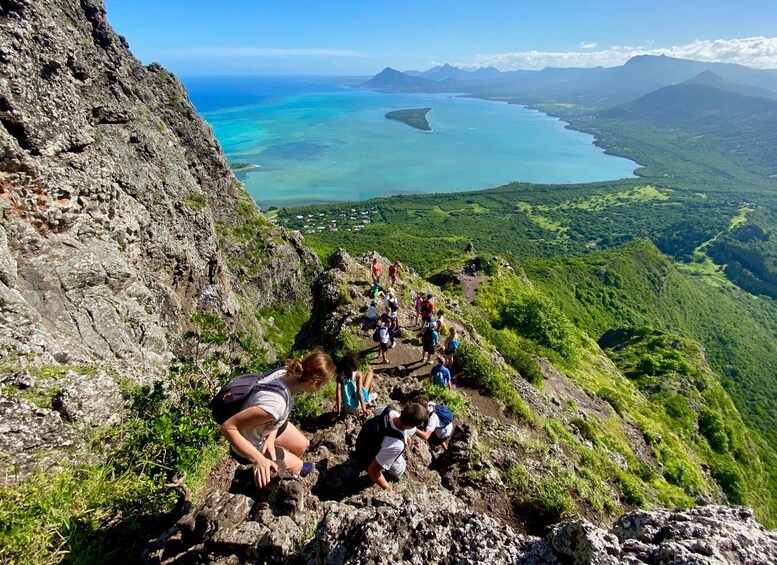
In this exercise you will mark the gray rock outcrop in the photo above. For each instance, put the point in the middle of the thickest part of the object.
(119, 215)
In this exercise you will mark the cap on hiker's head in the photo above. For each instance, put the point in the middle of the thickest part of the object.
(429, 296)
(373, 302)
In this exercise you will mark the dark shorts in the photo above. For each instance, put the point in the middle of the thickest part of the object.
(279, 453)
(426, 318)
(384, 346)
(429, 349)
(435, 440)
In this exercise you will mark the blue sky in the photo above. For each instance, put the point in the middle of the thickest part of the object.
(361, 37)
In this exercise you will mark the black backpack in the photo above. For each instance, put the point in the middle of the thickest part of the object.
(230, 399)
(371, 437)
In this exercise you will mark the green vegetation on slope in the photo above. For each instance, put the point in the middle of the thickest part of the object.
(671, 372)
(635, 285)
(521, 219)
(749, 252)
(688, 422)
(101, 513)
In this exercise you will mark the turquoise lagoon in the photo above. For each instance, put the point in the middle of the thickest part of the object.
(315, 141)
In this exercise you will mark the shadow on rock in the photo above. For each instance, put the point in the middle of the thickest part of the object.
(340, 481)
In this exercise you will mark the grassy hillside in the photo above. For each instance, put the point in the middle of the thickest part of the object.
(697, 441)
(636, 285)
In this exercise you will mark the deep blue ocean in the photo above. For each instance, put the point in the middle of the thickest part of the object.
(317, 141)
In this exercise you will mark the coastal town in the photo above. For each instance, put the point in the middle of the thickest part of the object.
(345, 219)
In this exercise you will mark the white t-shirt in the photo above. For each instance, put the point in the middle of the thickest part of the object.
(392, 448)
(384, 334)
(433, 423)
(372, 312)
(274, 404)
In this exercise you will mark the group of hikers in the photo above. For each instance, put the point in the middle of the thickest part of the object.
(253, 410)
(387, 326)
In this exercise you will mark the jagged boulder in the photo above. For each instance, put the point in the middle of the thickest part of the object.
(708, 534)
(412, 531)
(31, 436)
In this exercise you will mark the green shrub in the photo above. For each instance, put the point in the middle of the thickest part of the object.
(457, 403)
(615, 399)
(310, 406)
(713, 428)
(196, 202)
(514, 353)
(533, 315)
(586, 430)
(550, 492)
(633, 491)
(731, 481)
(495, 381)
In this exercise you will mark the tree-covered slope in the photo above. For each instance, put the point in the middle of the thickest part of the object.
(636, 285)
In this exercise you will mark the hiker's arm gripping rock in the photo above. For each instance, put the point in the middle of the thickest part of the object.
(375, 472)
(424, 434)
(269, 445)
(249, 418)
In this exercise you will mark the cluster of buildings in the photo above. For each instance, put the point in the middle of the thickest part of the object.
(351, 219)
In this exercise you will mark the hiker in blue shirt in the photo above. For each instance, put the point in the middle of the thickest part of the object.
(350, 382)
(440, 375)
(451, 345)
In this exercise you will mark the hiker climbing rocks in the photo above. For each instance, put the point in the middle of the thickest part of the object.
(383, 336)
(392, 304)
(429, 339)
(383, 440)
(451, 345)
(375, 291)
(419, 298)
(427, 309)
(394, 272)
(393, 328)
(439, 425)
(377, 269)
(253, 411)
(439, 323)
(372, 311)
(354, 389)
(440, 375)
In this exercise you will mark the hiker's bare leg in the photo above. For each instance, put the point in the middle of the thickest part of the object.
(368, 381)
(292, 463)
(293, 440)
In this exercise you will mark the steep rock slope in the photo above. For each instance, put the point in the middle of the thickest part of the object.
(113, 192)
(119, 216)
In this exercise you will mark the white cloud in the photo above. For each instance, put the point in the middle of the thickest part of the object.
(758, 52)
(591, 45)
(257, 52)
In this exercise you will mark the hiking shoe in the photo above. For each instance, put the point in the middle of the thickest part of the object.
(307, 468)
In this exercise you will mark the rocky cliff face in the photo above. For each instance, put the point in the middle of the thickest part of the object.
(119, 216)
